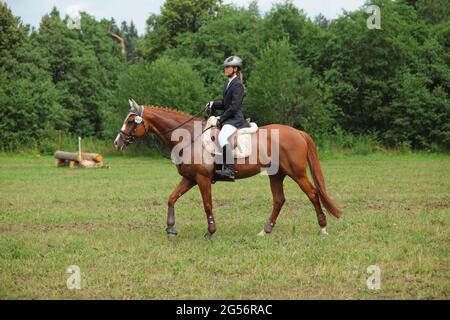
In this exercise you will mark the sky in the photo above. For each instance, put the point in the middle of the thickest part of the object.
(138, 11)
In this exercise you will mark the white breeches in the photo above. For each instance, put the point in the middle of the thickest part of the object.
(226, 132)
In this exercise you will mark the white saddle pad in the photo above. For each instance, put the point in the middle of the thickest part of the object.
(244, 139)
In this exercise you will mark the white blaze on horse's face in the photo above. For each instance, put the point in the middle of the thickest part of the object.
(121, 145)
(136, 109)
(118, 142)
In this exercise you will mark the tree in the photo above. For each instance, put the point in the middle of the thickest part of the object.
(29, 101)
(281, 91)
(418, 116)
(285, 21)
(130, 37)
(162, 83)
(233, 32)
(432, 11)
(84, 64)
(177, 17)
(12, 32)
(321, 21)
(361, 64)
(371, 74)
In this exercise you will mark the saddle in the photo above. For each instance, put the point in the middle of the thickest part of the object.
(241, 141)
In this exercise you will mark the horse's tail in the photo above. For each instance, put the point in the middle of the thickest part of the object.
(316, 172)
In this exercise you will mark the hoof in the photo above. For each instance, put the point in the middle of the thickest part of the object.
(323, 232)
(208, 236)
(171, 232)
(262, 233)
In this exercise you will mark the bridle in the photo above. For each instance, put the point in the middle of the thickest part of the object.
(131, 137)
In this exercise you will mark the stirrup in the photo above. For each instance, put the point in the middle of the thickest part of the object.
(227, 171)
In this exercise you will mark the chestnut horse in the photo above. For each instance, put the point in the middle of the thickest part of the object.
(296, 149)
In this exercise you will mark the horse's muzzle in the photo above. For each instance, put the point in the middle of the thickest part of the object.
(119, 143)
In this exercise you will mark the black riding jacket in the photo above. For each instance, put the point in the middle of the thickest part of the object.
(232, 104)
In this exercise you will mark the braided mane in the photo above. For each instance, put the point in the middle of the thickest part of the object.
(169, 110)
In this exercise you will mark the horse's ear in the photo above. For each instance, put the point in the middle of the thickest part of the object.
(135, 107)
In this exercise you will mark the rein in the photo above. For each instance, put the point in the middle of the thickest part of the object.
(130, 137)
(190, 119)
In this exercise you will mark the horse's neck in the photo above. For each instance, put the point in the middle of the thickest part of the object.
(162, 122)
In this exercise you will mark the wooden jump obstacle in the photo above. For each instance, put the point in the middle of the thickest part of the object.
(74, 160)
(78, 159)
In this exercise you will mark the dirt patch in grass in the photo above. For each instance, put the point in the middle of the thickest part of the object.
(77, 226)
(438, 205)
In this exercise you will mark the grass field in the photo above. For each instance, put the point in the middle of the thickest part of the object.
(110, 222)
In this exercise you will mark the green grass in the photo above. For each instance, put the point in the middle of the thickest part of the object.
(110, 222)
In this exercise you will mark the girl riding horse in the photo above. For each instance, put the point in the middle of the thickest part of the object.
(232, 118)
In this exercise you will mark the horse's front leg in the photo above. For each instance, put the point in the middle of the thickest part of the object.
(184, 185)
(204, 184)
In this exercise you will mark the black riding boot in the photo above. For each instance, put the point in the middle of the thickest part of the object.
(227, 167)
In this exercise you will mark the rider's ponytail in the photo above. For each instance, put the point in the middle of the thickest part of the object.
(241, 77)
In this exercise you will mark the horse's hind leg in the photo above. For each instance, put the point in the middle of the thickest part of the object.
(276, 185)
(184, 186)
(313, 196)
(204, 184)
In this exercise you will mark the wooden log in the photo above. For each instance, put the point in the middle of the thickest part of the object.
(92, 156)
(121, 41)
(66, 155)
(63, 155)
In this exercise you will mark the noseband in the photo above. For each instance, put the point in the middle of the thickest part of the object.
(131, 137)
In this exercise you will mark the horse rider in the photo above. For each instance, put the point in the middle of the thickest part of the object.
(232, 117)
